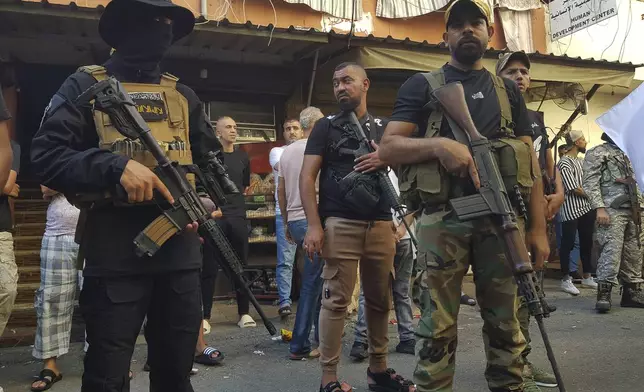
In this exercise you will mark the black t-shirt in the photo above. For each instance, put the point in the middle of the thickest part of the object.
(5, 210)
(238, 166)
(539, 137)
(480, 96)
(327, 132)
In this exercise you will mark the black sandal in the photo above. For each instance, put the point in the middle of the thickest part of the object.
(389, 381)
(48, 377)
(335, 386)
(206, 358)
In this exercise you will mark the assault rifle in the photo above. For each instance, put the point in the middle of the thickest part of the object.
(492, 200)
(111, 98)
(386, 186)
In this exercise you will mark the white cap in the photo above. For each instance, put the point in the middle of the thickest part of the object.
(575, 135)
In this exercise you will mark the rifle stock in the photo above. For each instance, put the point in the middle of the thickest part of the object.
(492, 200)
(111, 98)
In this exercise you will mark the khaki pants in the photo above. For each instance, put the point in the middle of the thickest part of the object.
(8, 278)
(347, 243)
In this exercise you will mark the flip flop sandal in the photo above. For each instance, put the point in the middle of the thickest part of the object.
(206, 358)
(246, 322)
(48, 377)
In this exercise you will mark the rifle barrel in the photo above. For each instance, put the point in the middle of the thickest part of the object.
(550, 353)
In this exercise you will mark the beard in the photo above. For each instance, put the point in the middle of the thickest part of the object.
(468, 51)
(347, 103)
(582, 149)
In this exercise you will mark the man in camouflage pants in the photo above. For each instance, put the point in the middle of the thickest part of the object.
(423, 146)
(607, 171)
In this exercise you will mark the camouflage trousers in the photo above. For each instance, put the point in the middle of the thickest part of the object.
(619, 254)
(446, 249)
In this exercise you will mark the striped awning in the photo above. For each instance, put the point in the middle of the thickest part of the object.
(407, 8)
(339, 8)
(412, 8)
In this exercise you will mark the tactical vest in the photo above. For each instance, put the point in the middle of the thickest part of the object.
(428, 183)
(164, 109)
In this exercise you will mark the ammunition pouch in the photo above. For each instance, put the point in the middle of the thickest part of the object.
(424, 184)
(360, 191)
(514, 158)
(429, 184)
(165, 111)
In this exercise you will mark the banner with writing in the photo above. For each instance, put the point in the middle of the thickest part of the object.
(570, 16)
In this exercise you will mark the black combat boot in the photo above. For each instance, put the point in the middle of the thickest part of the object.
(603, 297)
(632, 296)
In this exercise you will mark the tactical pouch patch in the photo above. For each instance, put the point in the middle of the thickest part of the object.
(361, 192)
(166, 112)
(514, 158)
(426, 183)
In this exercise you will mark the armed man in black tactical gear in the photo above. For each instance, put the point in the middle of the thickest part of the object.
(78, 152)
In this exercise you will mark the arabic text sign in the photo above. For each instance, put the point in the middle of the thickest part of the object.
(569, 16)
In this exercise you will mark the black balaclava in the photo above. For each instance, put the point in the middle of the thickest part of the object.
(145, 46)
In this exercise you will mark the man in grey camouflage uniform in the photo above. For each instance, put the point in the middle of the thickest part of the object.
(607, 172)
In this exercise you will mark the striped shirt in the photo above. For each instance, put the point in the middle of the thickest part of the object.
(574, 206)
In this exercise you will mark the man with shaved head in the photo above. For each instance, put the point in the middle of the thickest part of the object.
(353, 224)
(234, 223)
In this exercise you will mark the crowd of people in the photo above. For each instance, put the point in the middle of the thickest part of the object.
(329, 203)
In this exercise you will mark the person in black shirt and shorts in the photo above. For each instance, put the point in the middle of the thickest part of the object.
(435, 168)
(348, 229)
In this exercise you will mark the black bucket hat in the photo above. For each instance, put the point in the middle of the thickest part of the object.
(110, 27)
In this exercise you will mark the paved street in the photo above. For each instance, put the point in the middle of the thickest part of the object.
(597, 353)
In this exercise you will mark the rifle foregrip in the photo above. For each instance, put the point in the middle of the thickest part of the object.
(150, 240)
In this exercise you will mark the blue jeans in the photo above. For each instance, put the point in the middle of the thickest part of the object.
(403, 264)
(308, 307)
(285, 261)
(574, 254)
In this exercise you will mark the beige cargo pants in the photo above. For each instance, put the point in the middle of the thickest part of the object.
(348, 243)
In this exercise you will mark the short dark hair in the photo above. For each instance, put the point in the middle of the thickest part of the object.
(347, 64)
(290, 120)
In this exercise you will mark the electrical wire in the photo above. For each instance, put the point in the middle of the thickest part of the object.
(353, 22)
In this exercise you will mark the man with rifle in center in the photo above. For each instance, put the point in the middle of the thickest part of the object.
(352, 225)
(435, 170)
(79, 152)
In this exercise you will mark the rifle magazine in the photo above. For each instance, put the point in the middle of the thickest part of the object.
(150, 240)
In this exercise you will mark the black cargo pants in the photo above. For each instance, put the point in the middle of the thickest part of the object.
(114, 309)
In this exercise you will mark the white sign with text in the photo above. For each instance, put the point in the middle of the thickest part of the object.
(570, 16)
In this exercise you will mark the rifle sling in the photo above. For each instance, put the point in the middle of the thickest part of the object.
(459, 134)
